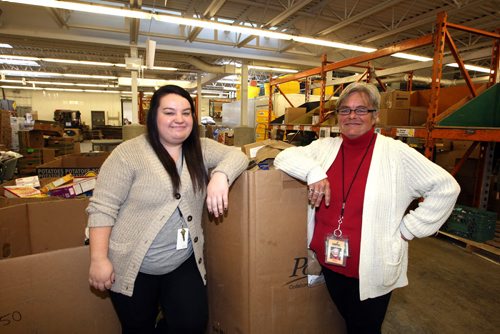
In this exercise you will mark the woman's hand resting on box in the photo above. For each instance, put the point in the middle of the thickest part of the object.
(217, 194)
(318, 191)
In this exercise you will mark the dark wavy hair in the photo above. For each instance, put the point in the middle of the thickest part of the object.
(191, 147)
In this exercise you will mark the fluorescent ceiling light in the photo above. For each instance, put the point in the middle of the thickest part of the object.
(123, 81)
(230, 88)
(62, 89)
(19, 57)
(79, 62)
(56, 83)
(5, 45)
(472, 68)
(208, 24)
(322, 42)
(410, 56)
(18, 62)
(53, 74)
(162, 68)
(88, 8)
(272, 69)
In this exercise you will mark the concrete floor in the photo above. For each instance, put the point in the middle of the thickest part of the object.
(449, 291)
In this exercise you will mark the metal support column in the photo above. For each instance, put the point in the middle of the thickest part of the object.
(437, 71)
(485, 169)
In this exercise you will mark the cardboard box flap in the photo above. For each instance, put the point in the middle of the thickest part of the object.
(14, 231)
(50, 232)
(49, 293)
(265, 149)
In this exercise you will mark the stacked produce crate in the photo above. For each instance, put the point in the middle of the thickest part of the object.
(471, 223)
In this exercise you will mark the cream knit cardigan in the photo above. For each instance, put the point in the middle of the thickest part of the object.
(134, 195)
(398, 174)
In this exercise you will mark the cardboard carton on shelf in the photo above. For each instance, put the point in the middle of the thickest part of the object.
(256, 258)
(77, 164)
(292, 114)
(395, 99)
(393, 117)
(44, 270)
(418, 116)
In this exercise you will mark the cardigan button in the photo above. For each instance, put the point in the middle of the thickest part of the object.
(199, 260)
(195, 239)
(177, 196)
(190, 218)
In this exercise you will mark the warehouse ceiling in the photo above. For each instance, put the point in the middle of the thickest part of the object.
(54, 33)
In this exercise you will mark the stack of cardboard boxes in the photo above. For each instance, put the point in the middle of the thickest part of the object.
(394, 108)
(5, 130)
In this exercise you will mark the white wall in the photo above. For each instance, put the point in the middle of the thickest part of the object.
(46, 102)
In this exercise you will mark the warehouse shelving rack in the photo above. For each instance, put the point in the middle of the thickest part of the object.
(485, 136)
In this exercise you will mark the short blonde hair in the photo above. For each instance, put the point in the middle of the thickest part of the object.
(368, 89)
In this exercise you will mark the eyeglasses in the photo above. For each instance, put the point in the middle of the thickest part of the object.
(358, 111)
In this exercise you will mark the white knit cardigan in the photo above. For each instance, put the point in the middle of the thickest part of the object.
(398, 174)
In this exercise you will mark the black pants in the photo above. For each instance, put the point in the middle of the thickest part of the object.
(181, 295)
(360, 317)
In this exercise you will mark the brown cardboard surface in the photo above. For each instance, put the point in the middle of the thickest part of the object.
(49, 293)
(77, 164)
(395, 99)
(44, 270)
(256, 258)
(264, 149)
(418, 116)
(14, 232)
(48, 154)
(42, 226)
(48, 232)
(293, 113)
(393, 116)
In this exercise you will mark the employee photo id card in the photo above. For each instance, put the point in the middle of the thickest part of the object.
(335, 251)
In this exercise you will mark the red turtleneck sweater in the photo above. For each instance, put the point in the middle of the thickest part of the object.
(327, 217)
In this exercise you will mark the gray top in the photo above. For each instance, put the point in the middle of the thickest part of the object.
(163, 256)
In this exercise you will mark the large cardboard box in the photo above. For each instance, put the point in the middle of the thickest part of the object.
(77, 164)
(418, 116)
(44, 272)
(256, 258)
(395, 99)
(292, 114)
(393, 117)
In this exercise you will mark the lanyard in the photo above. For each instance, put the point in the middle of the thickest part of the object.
(338, 231)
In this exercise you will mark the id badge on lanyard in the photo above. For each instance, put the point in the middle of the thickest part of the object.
(337, 246)
(336, 250)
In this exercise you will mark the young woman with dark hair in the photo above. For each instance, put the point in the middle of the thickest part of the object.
(146, 239)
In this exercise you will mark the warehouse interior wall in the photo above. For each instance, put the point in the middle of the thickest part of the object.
(44, 104)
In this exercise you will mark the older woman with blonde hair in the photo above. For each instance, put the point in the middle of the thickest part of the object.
(360, 186)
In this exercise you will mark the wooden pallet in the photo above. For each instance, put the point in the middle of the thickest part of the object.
(484, 249)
